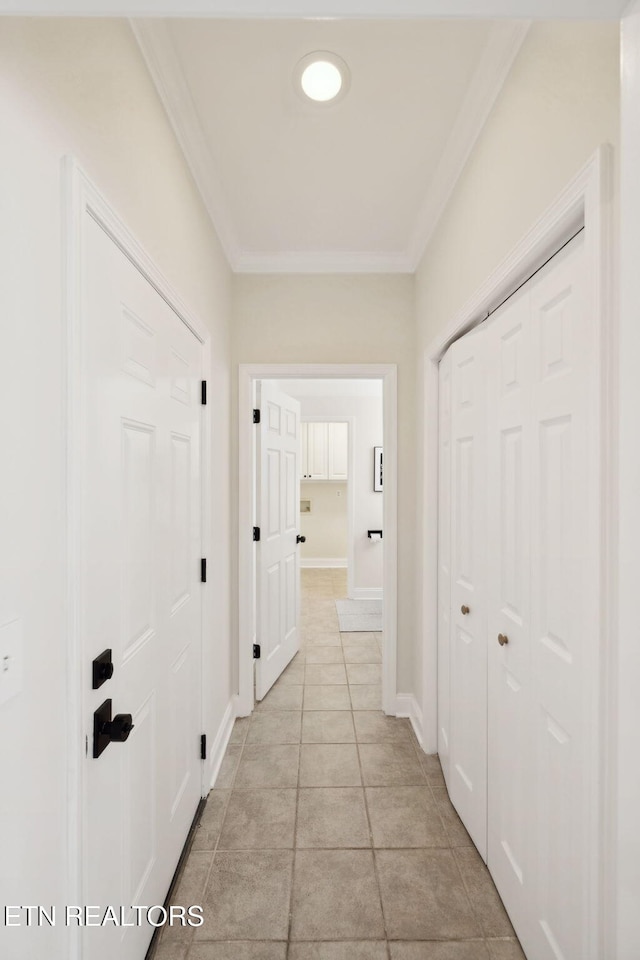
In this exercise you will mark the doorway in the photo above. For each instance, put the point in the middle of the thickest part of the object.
(249, 375)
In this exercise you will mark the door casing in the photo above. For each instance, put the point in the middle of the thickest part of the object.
(247, 376)
(83, 199)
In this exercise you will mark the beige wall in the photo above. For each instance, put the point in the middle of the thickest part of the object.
(77, 87)
(326, 526)
(343, 319)
(559, 103)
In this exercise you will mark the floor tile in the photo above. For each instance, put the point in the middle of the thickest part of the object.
(335, 896)
(458, 836)
(505, 950)
(332, 817)
(247, 897)
(366, 652)
(404, 817)
(276, 726)
(423, 896)
(293, 675)
(208, 829)
(318, 654)
(327, 726)
(431, 766)
(259, 819)
(268, 765)
(390, 765)
(325, 673)
(323, 697)
(453, 950)
(352, 637)
(351, 950)
(238, 950)
(189, 891)
(482, 893)
(286, 697)
(366, 697)
(329, 765)
(240, 730)
(168, 950)
(370, 673)
(372, 726)
(322, 638)
(229, 766)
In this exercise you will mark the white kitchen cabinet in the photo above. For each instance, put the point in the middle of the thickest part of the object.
(324, 450)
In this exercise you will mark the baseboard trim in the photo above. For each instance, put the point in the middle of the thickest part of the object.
(221, 742)
(319, 563)
(366, 593)
(407, 706)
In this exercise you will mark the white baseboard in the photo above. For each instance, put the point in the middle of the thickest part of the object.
(319, 563)
(407, 706)
(219, 745)
(366, 593)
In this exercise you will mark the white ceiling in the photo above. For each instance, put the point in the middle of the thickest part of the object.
(354, 186)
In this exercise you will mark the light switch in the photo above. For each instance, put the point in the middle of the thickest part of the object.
(10, 660)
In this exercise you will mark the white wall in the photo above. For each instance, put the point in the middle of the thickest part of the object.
(343, 319)
(367, 504)
(81, 88)
(326, 526)
(559, 103)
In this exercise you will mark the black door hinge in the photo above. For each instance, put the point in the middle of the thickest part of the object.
(203, 570)
(203, 393)
(203, 747)
(256, 651)
(256, 533)
(256, 416)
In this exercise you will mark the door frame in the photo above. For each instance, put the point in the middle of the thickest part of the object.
(351, 422)
(248, 374)
(586, 202)
(81, 198)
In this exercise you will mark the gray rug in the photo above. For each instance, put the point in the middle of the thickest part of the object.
(359, 616)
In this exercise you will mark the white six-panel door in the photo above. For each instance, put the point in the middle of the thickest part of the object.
(468, 648)
(535, 567)
(140, 591)
(278, 559)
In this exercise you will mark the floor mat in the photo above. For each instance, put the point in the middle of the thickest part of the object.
(359, 616)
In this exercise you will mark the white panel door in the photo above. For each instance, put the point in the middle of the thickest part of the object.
(444, 561)
(468, 651)
(511, 771)
(140, 589)
(278, 563)
(564, 612)
(338, 441)
(317, 451)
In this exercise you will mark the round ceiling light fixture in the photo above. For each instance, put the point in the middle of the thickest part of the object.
(322, 77)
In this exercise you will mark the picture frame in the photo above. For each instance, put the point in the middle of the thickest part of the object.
(377, 470)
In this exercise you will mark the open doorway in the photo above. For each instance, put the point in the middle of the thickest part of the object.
(343, 568)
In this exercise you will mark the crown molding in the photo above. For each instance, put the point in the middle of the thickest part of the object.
(501, 49)
(323, 261)
(163, 64)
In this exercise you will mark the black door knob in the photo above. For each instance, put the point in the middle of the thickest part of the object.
(108, 729)
(119, 728)
(300, 539)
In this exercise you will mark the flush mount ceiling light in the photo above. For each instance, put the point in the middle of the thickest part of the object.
(322, 77)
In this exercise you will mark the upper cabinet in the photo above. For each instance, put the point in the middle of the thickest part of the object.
(324, 450)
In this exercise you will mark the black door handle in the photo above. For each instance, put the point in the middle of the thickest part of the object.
(300, 539)
(108, 729)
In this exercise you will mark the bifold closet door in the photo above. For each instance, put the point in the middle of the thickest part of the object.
(511, 780)
(468, 643)
(543, 612)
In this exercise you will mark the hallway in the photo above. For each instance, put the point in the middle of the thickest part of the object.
(329, 834)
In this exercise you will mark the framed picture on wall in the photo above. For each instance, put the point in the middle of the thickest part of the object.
(377, 469)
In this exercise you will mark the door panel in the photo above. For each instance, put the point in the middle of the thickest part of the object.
(140, 589)
(338, 450)
(278, 565)
(468, 664)
(444, 562)
(317, 451)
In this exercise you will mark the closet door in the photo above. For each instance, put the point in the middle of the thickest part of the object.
(468, 661)
(511, 771)
(338, 451)
(444, 560)
(564, 610)
(317, 451)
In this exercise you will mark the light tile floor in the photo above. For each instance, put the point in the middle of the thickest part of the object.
(329, 834)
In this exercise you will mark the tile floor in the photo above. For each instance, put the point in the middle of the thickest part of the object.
(329, 834)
